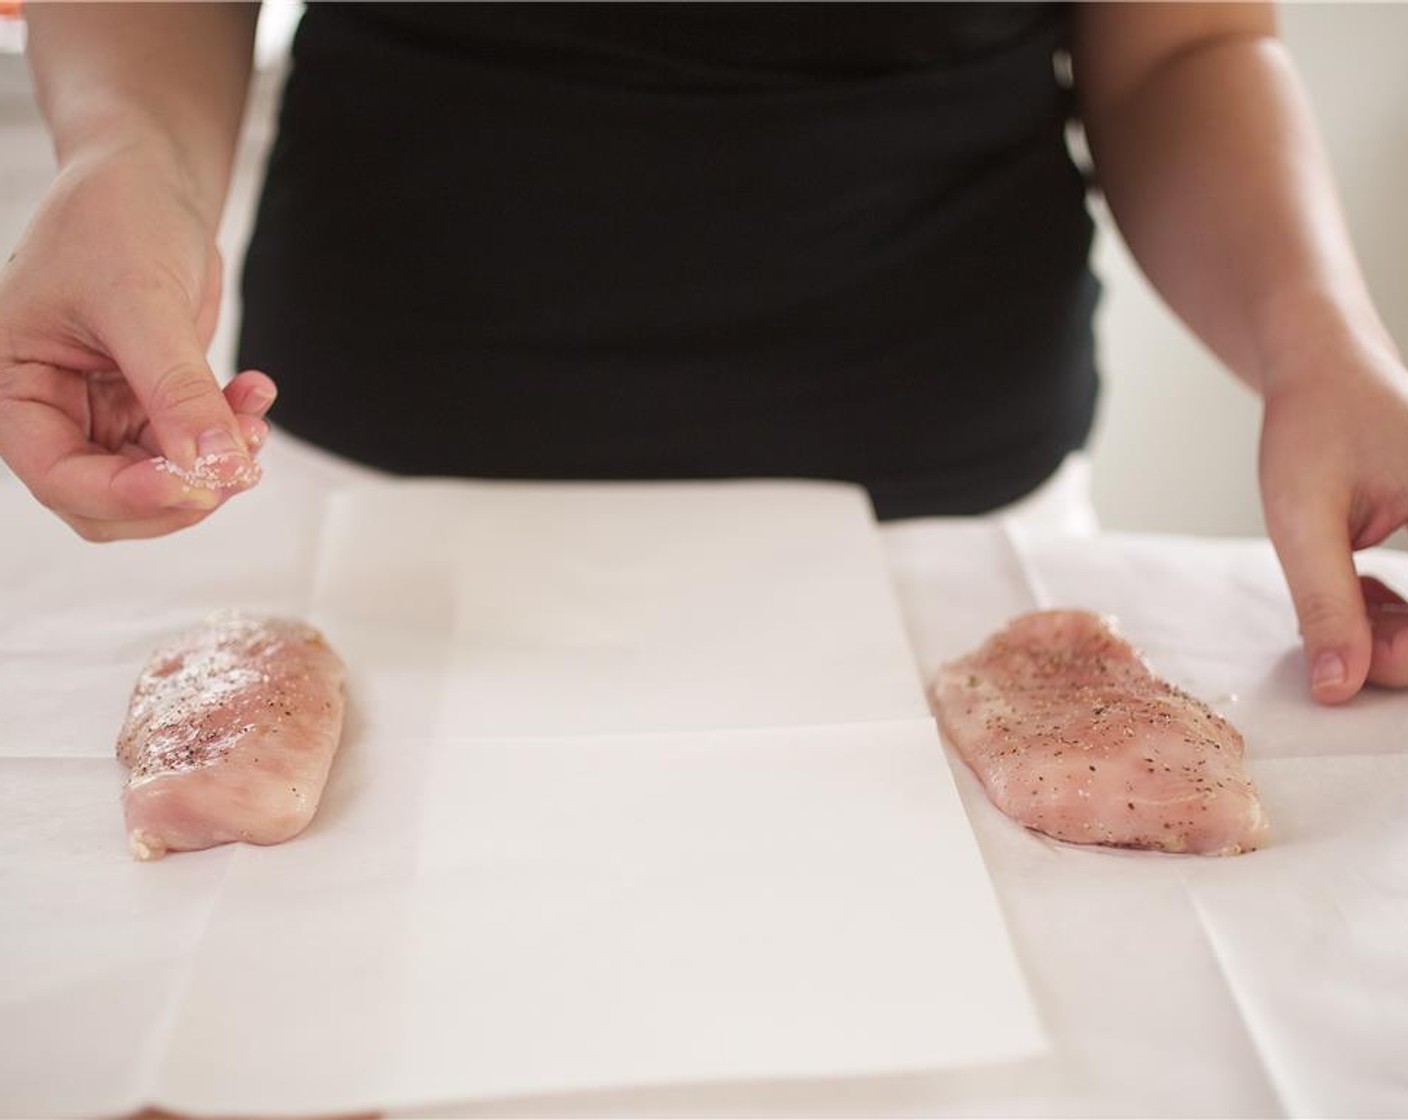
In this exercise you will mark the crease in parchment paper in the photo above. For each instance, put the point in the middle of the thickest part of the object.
(156, 1048)
(1310, 933)
(157, 1044)
(1275, 1079)
(1018, 545)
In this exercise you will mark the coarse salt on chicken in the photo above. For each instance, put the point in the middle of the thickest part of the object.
(230, 735)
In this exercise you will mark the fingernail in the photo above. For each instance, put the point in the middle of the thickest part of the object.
(1329, 670)
(262, 398)
(222, 463)
(217, 442)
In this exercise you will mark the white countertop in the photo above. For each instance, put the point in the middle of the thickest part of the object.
(1274, 983)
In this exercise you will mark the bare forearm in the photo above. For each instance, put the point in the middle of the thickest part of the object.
(1212, 168)
(1206, 150)
(169, 78)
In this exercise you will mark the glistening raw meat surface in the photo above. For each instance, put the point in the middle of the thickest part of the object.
(1073, 735)
(230, 735)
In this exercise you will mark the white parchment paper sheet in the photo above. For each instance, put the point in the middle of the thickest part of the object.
(639, 787)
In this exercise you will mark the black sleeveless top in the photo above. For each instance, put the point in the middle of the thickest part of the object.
(681, 241)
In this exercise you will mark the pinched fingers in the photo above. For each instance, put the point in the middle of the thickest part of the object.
(148, 332)
(103, 494)
(249, 395)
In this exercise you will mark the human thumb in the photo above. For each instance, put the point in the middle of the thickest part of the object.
(152, 338)
(1316, 556)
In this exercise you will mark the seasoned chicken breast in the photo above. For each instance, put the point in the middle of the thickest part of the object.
(230, 734)
(1073, 735)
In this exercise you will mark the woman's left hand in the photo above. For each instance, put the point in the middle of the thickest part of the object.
(1334, 479)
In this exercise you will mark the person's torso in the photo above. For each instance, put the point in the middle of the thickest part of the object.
(682, 240)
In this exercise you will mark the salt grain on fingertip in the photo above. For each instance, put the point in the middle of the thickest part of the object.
(204, 475)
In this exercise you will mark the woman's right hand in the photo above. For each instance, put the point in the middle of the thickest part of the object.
(109, 412)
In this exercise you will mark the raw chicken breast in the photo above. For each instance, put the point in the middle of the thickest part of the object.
(230, 734)
(1073, 735)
